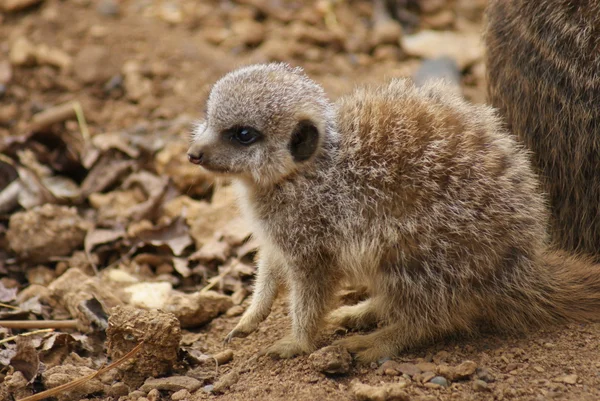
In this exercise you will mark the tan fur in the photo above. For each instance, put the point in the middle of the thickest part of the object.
(544, 76)
(413, 192)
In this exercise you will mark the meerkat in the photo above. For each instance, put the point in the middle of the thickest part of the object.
(421, 196)
(543, 74)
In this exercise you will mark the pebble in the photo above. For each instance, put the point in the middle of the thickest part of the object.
(208, 388)
(480, 386)
(331, 360)
(224, 356)
(568, 379)
(119, 389)
(235, 310)
(22, 52)
(386, 33)
(385, 392)
(153, 395)
(181, 395)
(464, 48)
(108, 8)
(438, 68)
(226, 381)
(90, 64)
(173, 383)
(440, 381)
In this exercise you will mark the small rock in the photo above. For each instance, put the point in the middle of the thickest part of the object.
(153, 395)
(90, 65)
(249, 32)
(45, 232)
(22, 52)
(115, 82)
(480, 386)
(431, 6)
(386, 32)
(539, 369)
(386, 392)
(108, 8)
(5, 72)
(465, 370)
(8, 113)
(427, 366)
(226, 381)
(170, 12)
(439, 68)
(235, 310)
(224, 356)
(464, 48)
(181, 395)
(198, 308)
(440, 381)
(208, 388)
(389, 368)
(62, 374)
(409, 369)
(173, 383)
(16, 5)
(118, 390)
(441, 357)
(568, 379)
(331, 360)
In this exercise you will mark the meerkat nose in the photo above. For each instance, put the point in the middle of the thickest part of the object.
(196, 158)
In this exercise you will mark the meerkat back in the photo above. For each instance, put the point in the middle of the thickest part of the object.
(544, 76)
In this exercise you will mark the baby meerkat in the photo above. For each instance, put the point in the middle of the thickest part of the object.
(412, 191)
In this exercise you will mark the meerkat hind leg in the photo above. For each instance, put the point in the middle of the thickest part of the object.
(360, 316)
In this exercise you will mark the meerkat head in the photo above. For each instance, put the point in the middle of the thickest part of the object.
(262, 123)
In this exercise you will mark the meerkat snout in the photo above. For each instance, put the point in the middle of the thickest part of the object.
(263, 123)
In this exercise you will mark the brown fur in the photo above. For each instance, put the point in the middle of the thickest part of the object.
(412, 191)
(544, 76)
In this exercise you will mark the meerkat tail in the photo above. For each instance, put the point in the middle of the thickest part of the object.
(575, 296)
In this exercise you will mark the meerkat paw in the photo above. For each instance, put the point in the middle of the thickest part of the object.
(243, 329)
(366, 348)
(354, 317)
(286, 348)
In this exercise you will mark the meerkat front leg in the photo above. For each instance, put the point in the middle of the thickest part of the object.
(268, 279)
(311, 291)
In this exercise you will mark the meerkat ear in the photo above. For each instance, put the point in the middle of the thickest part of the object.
(305, 139)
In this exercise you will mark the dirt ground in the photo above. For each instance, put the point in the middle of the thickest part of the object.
(101, 189)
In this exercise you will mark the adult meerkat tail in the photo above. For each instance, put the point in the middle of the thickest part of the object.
(575, 296)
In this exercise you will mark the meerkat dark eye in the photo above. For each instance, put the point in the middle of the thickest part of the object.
(244, 135)
(305, 139)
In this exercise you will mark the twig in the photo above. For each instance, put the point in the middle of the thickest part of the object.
(214, 280)
(39, 324)
(8, 306)
(78, 382)
(31, 333)
(53, 115)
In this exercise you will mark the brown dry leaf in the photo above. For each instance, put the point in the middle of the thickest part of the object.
(99, 236)
(104, 174)
(7, 294)
(115, 140)
(175, 235)
(155, 189)
(181, 266)
(26, 359)
(33, 192)
(57, 346)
